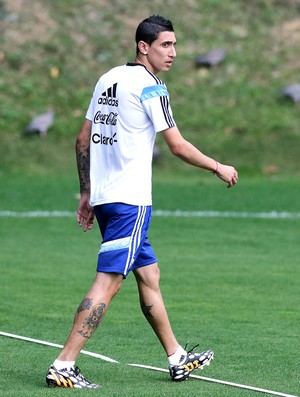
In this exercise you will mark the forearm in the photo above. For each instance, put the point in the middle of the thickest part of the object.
(191, 155)
(187, 152)
(83, 167)
(83, 157)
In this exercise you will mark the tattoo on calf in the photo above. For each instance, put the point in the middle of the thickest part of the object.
(92, 321)
(146, 310)
(86, 304)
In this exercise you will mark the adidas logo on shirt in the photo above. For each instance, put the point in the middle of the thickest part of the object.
(108, 97)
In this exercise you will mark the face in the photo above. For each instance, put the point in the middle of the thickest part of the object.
(161, 53)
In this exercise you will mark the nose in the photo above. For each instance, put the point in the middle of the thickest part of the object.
(172, 51)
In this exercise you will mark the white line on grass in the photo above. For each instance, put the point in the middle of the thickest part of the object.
(227, 214)
(223, 382)
(162, 213)
(37, 214)
(257, 389)
(45, 343)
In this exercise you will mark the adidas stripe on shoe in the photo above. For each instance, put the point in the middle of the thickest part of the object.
(71, 378)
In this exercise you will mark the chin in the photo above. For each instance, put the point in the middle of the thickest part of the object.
(165, 68)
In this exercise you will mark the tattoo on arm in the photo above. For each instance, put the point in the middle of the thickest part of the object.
(92, 321)
(86, 304)
(146, 310)
(83, 167)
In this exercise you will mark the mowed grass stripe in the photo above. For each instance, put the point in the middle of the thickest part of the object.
(162, 213)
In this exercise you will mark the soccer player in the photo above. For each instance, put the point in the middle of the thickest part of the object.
(114, 148)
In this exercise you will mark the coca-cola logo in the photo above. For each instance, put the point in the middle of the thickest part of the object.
(104, 118)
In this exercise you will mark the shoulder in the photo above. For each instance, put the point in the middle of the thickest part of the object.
(116, 71)
(140, 71)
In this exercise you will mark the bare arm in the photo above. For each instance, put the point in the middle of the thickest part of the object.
(85, 213)
(187, 152)
(83, 156)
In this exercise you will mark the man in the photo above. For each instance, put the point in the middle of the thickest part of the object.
(114, 150)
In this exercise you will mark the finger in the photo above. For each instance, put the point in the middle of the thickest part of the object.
(85, 224)
(231, 183)
(90, 225)
(79, 218)
(89, 221)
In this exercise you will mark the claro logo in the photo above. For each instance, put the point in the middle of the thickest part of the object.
(104, 140)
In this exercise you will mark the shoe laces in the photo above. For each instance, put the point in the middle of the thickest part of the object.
(79, 375)
(192, 349)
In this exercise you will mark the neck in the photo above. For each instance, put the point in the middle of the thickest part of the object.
(142, 59)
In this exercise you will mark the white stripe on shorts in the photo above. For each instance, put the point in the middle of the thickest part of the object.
(135, 238)
(118, 244)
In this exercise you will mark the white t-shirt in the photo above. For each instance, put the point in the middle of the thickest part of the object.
(129, 106)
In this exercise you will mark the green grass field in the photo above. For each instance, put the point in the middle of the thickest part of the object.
(230, 284)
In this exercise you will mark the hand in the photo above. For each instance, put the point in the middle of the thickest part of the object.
(228, 174)
(85, 213)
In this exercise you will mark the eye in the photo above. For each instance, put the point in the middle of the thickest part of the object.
(167, 44)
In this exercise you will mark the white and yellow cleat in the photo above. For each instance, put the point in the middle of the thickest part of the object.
(192, 362)
(68, 378)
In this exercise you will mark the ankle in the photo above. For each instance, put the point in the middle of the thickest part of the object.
(61, 364)
(178, 357)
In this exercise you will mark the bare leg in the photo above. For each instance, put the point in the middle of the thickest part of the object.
(153, 306)
(90, 313)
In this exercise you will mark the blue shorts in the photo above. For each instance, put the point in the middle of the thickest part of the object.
(125, 244)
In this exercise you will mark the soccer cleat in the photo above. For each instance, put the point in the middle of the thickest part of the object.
(71, 378)
(193, 361)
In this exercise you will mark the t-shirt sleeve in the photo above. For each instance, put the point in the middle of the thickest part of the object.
(90, 111)
(155, 101)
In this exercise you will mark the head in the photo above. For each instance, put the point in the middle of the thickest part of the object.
(149, 29)
(155, 43)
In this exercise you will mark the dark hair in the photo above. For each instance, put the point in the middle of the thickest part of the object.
(149, 29)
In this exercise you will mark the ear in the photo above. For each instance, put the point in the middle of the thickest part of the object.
(143, 47)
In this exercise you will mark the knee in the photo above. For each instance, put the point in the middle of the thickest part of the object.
(114, 288)
(149, 276)
(156, 276)
(118, 286)
(107, 285)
